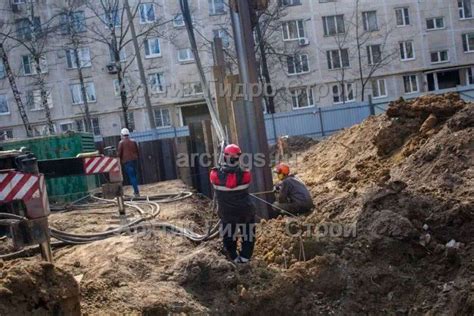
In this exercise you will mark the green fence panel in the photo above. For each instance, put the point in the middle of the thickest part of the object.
(65, 189)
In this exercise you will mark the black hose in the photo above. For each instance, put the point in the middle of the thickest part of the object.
(65, 238)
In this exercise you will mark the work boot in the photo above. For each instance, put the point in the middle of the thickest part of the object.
(240, 259)
(136, 195)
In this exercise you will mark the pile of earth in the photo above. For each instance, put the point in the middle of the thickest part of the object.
(291, 145)
(39, 288)
(394, 213)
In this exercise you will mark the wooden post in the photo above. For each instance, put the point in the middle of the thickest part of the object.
(218, 71)
(230, 83)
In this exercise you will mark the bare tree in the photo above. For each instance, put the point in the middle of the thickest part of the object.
(32, 35)
(271, 52)
(111, 27)
(379, 55)
(16, 93)
(363, 40)
(72, 24)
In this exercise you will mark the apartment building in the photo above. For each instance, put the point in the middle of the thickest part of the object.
(402, 47)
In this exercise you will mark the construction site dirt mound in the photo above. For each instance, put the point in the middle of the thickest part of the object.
(391, 233)
(395, 207)
(287, 146)
(39, 288)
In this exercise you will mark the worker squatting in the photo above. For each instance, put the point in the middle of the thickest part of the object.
(231, 183)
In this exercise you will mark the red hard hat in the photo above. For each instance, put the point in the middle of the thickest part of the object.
(282, 168)
(232, 150)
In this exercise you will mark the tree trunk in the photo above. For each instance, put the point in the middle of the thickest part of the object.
(118, 64)
(16, 93)
(266, 75)
(87, 116)
(37, 59)
(359, 53)
(123, 98)
(44, 95)
(141, 69)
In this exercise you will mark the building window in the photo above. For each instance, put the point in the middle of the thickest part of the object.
(402, 16)
(468, 42)
(406, 51)
(178, 20)
(192, 88)
(297, 64)
(81, 125)
(122, 55)
(162, 118)
(3, 73)
(342, 93)
(19, 1)
(42, 130)
(64, 127)
(152, 47)
(216, 7)
(439, 57)
(293, 30)
(185, 55)
(76, 93)
(333, 25)
(435, 23)
(378, 88)
(370, 21)
(84, 58)
(302, 98)
(6, 134)
(470, 75)
(374, 54)
(222, 34)
(25, 28)
(287, 3)
(72, 23)
(147, 13)
(126, 85)
(112, 18)
(465, 9)
(4, 110)
(338, 58)
(410, 84)
(34, 101)
(29, 65)
(157, 82)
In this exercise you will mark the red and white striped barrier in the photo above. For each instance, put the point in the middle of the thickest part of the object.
(101, 164)
(20, 186)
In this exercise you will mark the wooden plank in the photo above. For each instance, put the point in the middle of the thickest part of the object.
(231, 82)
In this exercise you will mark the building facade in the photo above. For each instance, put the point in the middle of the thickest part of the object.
(332, 52)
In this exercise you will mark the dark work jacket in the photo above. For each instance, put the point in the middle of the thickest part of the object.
(234, 203)
(293, 190)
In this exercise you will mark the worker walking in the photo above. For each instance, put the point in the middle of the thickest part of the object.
(292, 194)
(128, 153)
(235, 209)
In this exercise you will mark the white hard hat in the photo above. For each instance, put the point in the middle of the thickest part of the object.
(125, 132)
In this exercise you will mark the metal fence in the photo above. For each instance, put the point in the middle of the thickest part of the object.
(312, 122)
(318, 122)
(315, 122)
(158, 134)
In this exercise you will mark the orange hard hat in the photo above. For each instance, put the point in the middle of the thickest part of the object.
(282, 168)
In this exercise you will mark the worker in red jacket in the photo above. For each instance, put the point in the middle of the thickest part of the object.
(234, 207)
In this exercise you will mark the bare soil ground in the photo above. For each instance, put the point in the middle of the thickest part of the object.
(404, 180)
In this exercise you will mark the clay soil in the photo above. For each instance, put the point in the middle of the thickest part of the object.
(400, 186)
